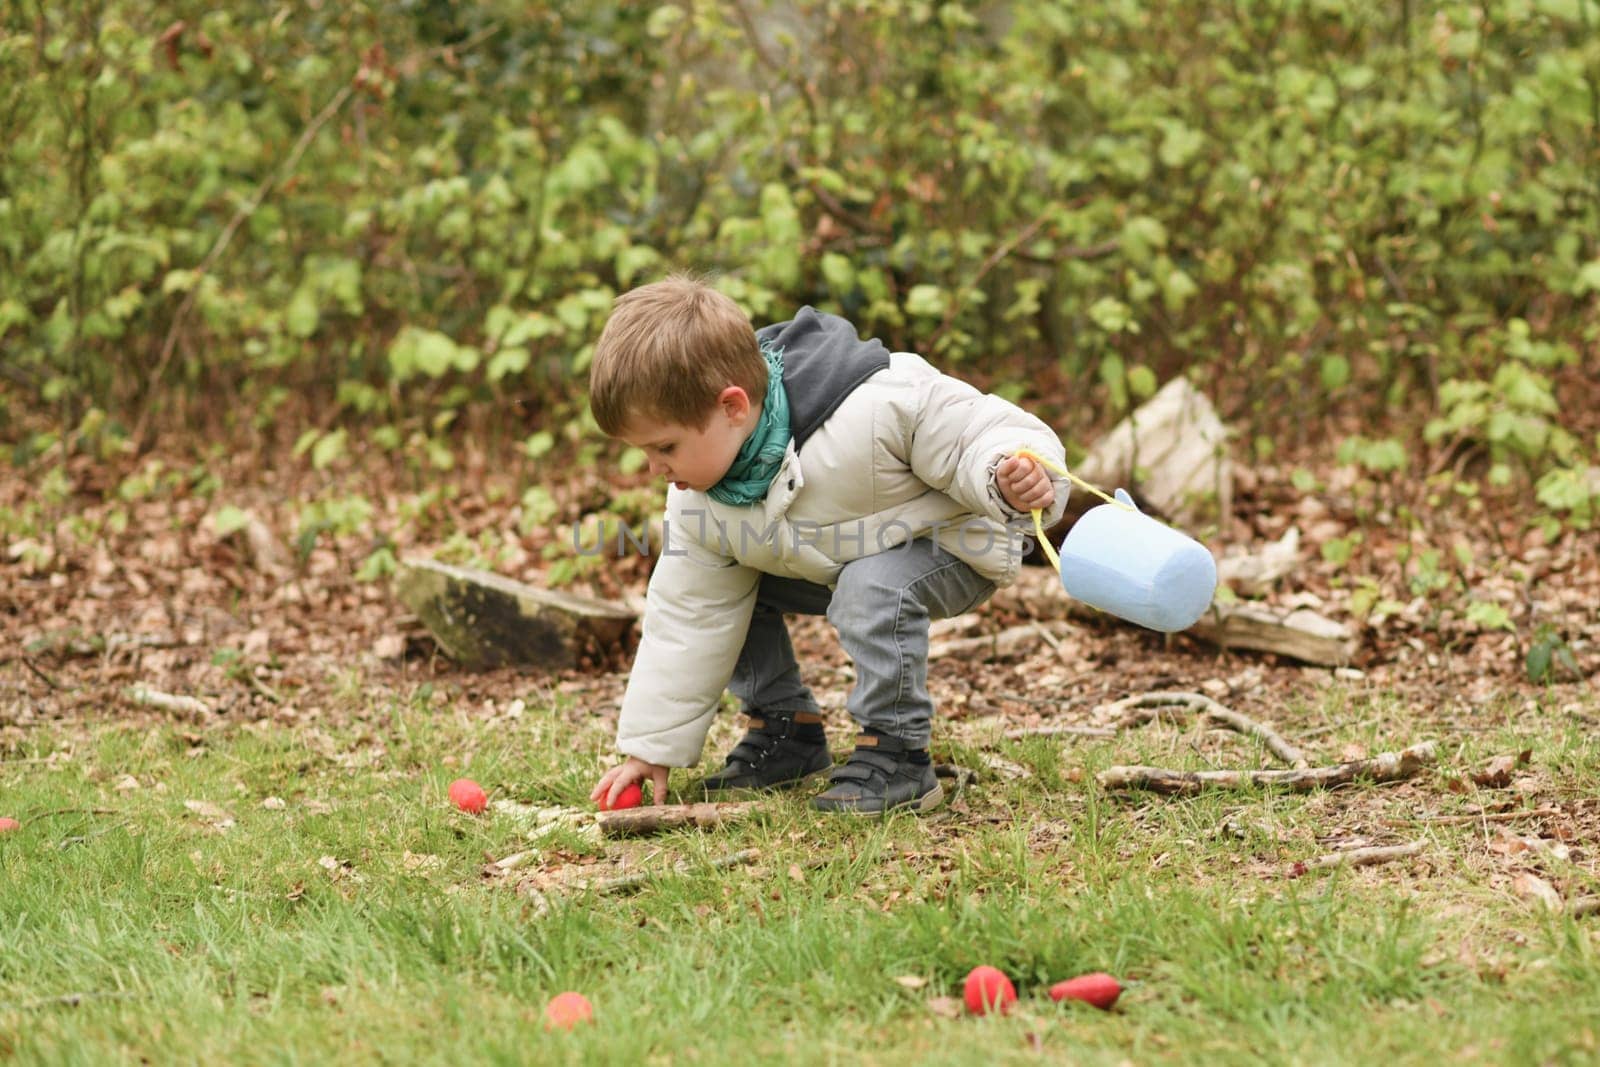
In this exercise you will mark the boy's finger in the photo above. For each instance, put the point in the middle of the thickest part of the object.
(658, 786)
(617, 786)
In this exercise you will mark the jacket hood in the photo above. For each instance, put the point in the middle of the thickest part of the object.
(824, 360)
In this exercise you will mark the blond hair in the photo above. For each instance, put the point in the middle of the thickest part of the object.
(668, 351)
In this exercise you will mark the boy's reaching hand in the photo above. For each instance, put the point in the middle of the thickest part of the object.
(614, 781)
(1025, 484)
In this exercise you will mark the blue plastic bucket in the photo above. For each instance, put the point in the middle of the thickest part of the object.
(1122, 561)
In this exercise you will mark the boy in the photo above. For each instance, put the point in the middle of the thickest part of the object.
(811, 472)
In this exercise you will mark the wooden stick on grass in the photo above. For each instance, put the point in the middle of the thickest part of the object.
(1147, 707)
(187, 705)
(634, 879)
(636, 822)
(1358, 857)
(1385, 767)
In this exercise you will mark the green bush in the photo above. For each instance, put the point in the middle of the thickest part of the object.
(411, 207)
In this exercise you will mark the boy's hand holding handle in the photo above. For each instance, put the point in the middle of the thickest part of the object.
(614, 781)
(1025, 484)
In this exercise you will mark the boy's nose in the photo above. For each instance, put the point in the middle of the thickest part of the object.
(657, 467)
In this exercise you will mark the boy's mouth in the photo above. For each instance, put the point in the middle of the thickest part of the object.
(681, 485)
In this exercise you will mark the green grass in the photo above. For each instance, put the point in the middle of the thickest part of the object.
(243, 946)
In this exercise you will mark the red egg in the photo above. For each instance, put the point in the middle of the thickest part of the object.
(630, 797)
(9, 824)
(468, 795)
(1099, 989)
(988, 990)
(567, 1010)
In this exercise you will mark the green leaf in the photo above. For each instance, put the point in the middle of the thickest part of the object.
(633, 259)
(507, 362)
(838, 272)
(1335, 372)
(1141, 382)
(328, 449)
(926, 300)
(302, 315)
(1489, 616)
(380, 564)
(538, 444)
(1588, 279)
(229, 520)
(1112, 315)
(538, 507)
(1180, 143)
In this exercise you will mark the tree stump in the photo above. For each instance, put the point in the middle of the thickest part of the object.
(484, 620)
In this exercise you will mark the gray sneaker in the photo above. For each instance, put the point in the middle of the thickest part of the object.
(879, 779)
(769, 756)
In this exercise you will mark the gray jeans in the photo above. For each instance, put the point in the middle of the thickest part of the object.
(881, 608)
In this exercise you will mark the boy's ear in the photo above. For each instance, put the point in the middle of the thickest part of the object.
(735, 402)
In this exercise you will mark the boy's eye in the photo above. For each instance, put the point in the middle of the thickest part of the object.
(666, 450)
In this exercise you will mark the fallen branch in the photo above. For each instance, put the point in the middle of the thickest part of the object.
(636, 822)
(1358, 857)
(1004, 644)
(1584, 906)
(39, 671)
(66, 1000)
(1005, 768)
(1147, 707)
(1060, 731)
(1386, 767)
(1300, 634)
(1482, 816)
(141, 694)
(962, 776)
(635, 879)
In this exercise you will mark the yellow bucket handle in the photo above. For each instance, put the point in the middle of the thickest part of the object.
(1038, 521)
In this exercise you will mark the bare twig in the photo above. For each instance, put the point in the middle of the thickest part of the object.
(962, 776)
(1386, 767)
(40, 672)
(1359, 857)
(245, 210)
(1146, 707)
(1482, 816)
(989, 263)
(66, 1000)
(1005, 768)
(75, 811)
(1584, 906)
(1060, 731)
(250, 206)
(635, 879)
(649, 820)
(187, 705)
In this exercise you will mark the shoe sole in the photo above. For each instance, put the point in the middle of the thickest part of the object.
(920, 806)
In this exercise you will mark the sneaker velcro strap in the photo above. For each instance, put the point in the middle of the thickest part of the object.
(752, 749)
(855, 771)
(873, 762)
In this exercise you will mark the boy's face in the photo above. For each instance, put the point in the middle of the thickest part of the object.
(693, 458)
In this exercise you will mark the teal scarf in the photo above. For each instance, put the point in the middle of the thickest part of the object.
(748, 480)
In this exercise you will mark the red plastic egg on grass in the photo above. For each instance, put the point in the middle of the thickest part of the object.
(1099, 989)
(9, 824)
(630, 797)
(468, 795)
(567, 1010)
(988, 990)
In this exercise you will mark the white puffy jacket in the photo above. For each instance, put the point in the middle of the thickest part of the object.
(907, 452)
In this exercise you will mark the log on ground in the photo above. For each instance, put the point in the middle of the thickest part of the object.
(485, 620)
